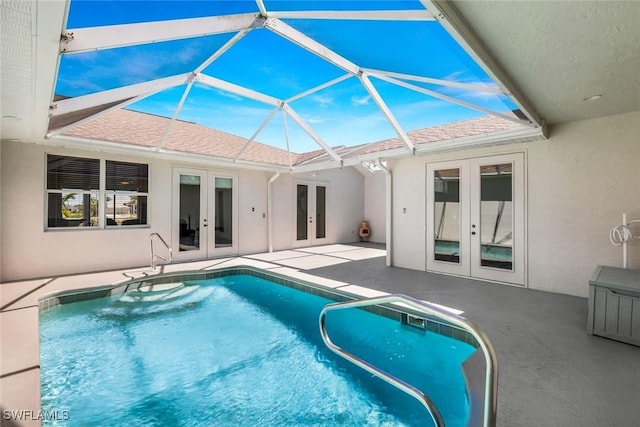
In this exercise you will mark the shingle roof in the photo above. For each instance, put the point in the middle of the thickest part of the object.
(143, 129)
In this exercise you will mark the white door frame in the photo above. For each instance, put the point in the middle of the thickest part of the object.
(312, 214)
(469, 220)
(202, 235)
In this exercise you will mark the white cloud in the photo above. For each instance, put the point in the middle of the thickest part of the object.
(360, 100)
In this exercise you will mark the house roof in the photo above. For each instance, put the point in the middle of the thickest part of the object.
(123, 126)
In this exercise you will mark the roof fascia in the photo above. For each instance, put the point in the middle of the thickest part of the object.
(454, 23)
(151, 151)
(108, 37)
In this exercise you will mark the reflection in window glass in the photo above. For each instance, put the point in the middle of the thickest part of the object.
(126, 198)
(72, 209)
(125, 209)
(447, 215)
(301, 211)
(189, 212)
(224, 210)
(321, 217)
(496, 216)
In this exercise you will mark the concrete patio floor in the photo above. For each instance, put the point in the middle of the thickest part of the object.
(551, 373)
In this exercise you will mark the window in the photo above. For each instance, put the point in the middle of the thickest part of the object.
(76, 193)
(73, 190)
(126, 193)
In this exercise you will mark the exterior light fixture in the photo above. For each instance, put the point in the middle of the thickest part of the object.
(592, 98)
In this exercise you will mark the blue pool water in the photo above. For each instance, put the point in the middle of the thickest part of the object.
(239, 351)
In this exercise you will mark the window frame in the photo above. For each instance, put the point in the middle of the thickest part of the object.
(100, 194)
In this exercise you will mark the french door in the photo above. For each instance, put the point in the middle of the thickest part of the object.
(204, 214)
(310, 212)
(475, 218)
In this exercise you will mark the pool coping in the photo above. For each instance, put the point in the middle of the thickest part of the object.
(20, 322)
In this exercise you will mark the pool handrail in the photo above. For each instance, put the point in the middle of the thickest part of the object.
(154, 256)
(423, 307)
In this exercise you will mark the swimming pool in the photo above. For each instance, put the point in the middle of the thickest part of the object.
(239, 350)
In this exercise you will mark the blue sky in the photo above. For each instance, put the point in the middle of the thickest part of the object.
(343, 114)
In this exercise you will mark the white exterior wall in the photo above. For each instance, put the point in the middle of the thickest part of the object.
(579, 182)
(28, 251)
(345, 205)
(375, 206)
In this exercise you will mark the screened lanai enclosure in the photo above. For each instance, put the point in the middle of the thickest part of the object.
(296, 85)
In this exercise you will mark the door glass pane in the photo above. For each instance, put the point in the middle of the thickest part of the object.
(321, 197)
(301, 211)
(496, 216)
(224, 210)
(447, 215)
(190, 188)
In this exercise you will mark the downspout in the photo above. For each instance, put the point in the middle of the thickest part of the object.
(389, 213)
(270, 210)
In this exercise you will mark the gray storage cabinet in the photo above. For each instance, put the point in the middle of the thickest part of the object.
(614, 304)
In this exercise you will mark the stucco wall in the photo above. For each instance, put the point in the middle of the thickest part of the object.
(375, 205)
(579, 182)
(345, 205)
(29, 251)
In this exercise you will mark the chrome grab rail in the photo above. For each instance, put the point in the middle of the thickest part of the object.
(154, 257)
(491, 379)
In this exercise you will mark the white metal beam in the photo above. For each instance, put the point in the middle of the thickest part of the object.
(78, 103)
(261, 7)
(235, 39)
(318, 88)
(357, 15)
(165, 135)
(295, 36)
(452, 100)
(387, 112)
(286, 136)
(239, 90)
(256, 133)
(62, 130)
(112, 36)
(454, 23)
(287, 109)
(439, 82)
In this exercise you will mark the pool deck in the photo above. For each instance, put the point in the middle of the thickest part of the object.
(551, 372)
